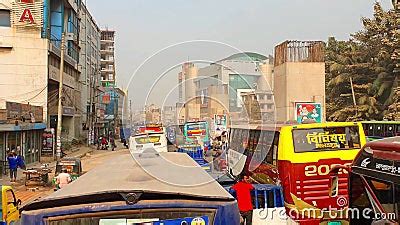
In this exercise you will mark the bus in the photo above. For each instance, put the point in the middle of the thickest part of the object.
(297, 157)
(124, 191)
(150, 140)
(374, 184)
(375, 130)
(196, 131)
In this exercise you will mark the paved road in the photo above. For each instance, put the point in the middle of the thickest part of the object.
(91, 160)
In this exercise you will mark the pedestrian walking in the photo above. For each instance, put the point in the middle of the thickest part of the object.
(243, 194)
(20, 160)
(112, 143)
(13, 165)
(63, 179)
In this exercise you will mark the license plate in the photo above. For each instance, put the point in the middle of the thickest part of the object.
(335, 223)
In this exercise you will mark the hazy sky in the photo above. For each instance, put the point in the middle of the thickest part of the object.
(146, 26)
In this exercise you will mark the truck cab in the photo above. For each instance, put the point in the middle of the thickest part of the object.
(9, 211)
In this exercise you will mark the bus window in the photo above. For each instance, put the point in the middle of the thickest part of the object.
(325, 139)
(251, 140)
(271, 146)
(244, 140)
(390, 132)
(378, 131)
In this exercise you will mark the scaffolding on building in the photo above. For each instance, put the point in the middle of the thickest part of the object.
(299, 51)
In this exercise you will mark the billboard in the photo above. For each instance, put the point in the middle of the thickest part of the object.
(220, 123)
(308, 111)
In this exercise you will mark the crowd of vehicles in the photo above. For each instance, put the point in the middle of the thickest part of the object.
(128, 194)
(305, 172)
(298, 158)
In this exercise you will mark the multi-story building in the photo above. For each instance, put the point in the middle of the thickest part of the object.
(153, 114)
(258, 107)
(271, 88)
(61, 16)
(30, 59)
(168, 115)
(220, 85)
(90, 79)
(108, 81)
(108, 58)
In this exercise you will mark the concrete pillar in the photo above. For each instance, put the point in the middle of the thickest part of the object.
(265, 82)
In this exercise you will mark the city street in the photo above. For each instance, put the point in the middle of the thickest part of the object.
(90, 159)
(234, 112)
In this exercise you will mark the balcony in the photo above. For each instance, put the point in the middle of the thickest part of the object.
(106, 50)
(107, 70)
(107, 61)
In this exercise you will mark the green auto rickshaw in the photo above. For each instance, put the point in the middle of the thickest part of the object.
(73, 166)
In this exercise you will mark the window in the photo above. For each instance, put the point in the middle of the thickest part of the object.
(326, 139)
(5, 18)
(10, 197)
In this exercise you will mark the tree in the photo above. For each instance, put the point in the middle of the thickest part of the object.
(369, 59)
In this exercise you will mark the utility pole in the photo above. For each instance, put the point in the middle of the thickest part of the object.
(130, 113)
(60, 95)
(352, 92)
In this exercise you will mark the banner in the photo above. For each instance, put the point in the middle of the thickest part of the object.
(308, 111)
(48, 142)
(220, 123)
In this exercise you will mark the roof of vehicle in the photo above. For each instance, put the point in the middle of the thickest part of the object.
(388, 144)
(291, 124)
(177, 174)
(381, 122)
(69, 159)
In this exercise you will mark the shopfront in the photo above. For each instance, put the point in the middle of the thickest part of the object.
(26, 139)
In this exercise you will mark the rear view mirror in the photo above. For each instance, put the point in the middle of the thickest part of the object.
(19, 202)
(334, 186)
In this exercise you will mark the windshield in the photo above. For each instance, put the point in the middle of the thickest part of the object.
(382, 194)
(148, 139)
(148, 217)
(70, 166)
(326, 139)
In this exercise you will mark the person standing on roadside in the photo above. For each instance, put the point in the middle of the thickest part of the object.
(243, 195)
(20, 158)
(13, 165)
(112, 143)
(63, 179)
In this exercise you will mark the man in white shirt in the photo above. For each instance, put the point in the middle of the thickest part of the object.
(63, 179)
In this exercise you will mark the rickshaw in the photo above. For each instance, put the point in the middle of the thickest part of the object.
(73, 167)
(9, 206)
